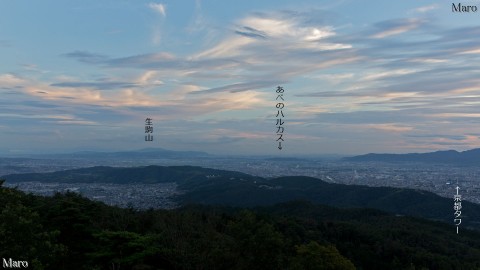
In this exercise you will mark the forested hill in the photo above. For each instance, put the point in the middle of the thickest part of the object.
(469, 157)
(399, 201)
(227, 188)
(67, 231)
(121, 175)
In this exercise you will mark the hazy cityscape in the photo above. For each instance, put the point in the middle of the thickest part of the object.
(439, 179)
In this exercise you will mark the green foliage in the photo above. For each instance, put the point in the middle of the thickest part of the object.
(313, 256)
(258, 244)
(23, 237)
(122, 249)
(67, 231)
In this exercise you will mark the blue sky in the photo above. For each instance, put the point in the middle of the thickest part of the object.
(359, 77)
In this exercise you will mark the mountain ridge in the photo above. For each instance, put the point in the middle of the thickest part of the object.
(467, 157)
(140, 153)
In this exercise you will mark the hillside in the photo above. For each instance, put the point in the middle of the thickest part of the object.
(398, 201)
(120, 175)
(227, 188)
(67, 231)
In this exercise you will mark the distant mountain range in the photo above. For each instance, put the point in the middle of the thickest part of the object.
(147, 153)
(219, 187)
(469, 157)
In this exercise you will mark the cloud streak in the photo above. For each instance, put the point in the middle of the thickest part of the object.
(158, 8)
(412, 80)
(396, 27)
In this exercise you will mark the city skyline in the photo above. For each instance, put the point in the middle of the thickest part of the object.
(358, 77)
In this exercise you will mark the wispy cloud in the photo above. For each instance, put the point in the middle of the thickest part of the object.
(251, 32)
(428, 8)
(389, 127)
(356, 87)
(86, 57)
(239, 87)
(10, 80)
(95, 85)
(395, 27)
(274, 45)
(159, 8)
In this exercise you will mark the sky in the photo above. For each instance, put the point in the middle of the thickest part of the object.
(359, 76)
